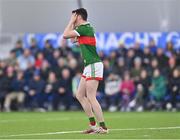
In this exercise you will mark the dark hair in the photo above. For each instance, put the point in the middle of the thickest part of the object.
(82, 12)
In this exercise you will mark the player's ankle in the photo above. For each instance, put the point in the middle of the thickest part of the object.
(92, 121)
(103, 125)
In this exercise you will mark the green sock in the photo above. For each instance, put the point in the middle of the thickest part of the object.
(92, 121)
(102, 124)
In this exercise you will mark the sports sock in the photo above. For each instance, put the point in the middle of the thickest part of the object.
(102, 124)
(92, 121)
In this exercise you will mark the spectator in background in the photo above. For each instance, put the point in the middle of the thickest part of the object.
(17, 87)
(121, 51)
(127, 89)
(45, 69)
(158, 89)
(10, 75)
(50, 89)
(101, 55)
(3, 65)
(6, 77)
(36, 89)
(26, 60)
(69, 56)
(48, 51)
(64, 91)
(147, 57)
(39, 60)
(34, 48)
(18, 50)
(136, 70)
(142, 92)
(152, 46)
(112, 58)
(154, 65)
(112, 91)
(162, 60)
(11, 60)
(130, 58)
(107, 68)
(120, 67)
(75, 83)
(61, 64)
(56, 56)
(174, 87)
(172, 65)
(169, 49)
(137, 50)
(73, 66)
(64, 48)
(28, 73)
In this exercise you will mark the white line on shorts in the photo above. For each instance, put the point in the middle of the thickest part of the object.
(71, 132)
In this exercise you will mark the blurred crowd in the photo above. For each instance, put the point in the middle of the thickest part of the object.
(46, 78)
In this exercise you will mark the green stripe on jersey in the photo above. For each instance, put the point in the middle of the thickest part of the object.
(92, 70)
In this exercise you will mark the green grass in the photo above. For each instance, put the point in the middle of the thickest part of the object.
(34, 122)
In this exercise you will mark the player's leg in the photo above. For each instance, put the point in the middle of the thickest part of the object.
(91, 90)
(95, 74)
(81, 96)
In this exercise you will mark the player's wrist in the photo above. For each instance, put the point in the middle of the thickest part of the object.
(71, 22)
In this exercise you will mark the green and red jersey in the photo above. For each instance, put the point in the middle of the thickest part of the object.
(87, 42)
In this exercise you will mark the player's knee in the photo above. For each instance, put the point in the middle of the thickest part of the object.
(91, 98)
(79, 97)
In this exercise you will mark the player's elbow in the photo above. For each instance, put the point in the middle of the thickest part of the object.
(65, 36)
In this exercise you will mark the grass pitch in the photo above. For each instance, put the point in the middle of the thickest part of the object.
(66, 125)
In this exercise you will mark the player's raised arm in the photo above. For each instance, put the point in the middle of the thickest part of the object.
(69, 30)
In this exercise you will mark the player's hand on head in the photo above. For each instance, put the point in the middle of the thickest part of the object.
(73, 17)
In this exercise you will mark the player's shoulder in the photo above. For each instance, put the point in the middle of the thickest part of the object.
(85, 29)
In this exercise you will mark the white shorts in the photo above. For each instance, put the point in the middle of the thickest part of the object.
(93, 71)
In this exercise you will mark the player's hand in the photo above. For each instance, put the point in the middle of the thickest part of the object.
(73, 18)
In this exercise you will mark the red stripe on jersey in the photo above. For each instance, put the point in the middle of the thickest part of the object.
(87, 40)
